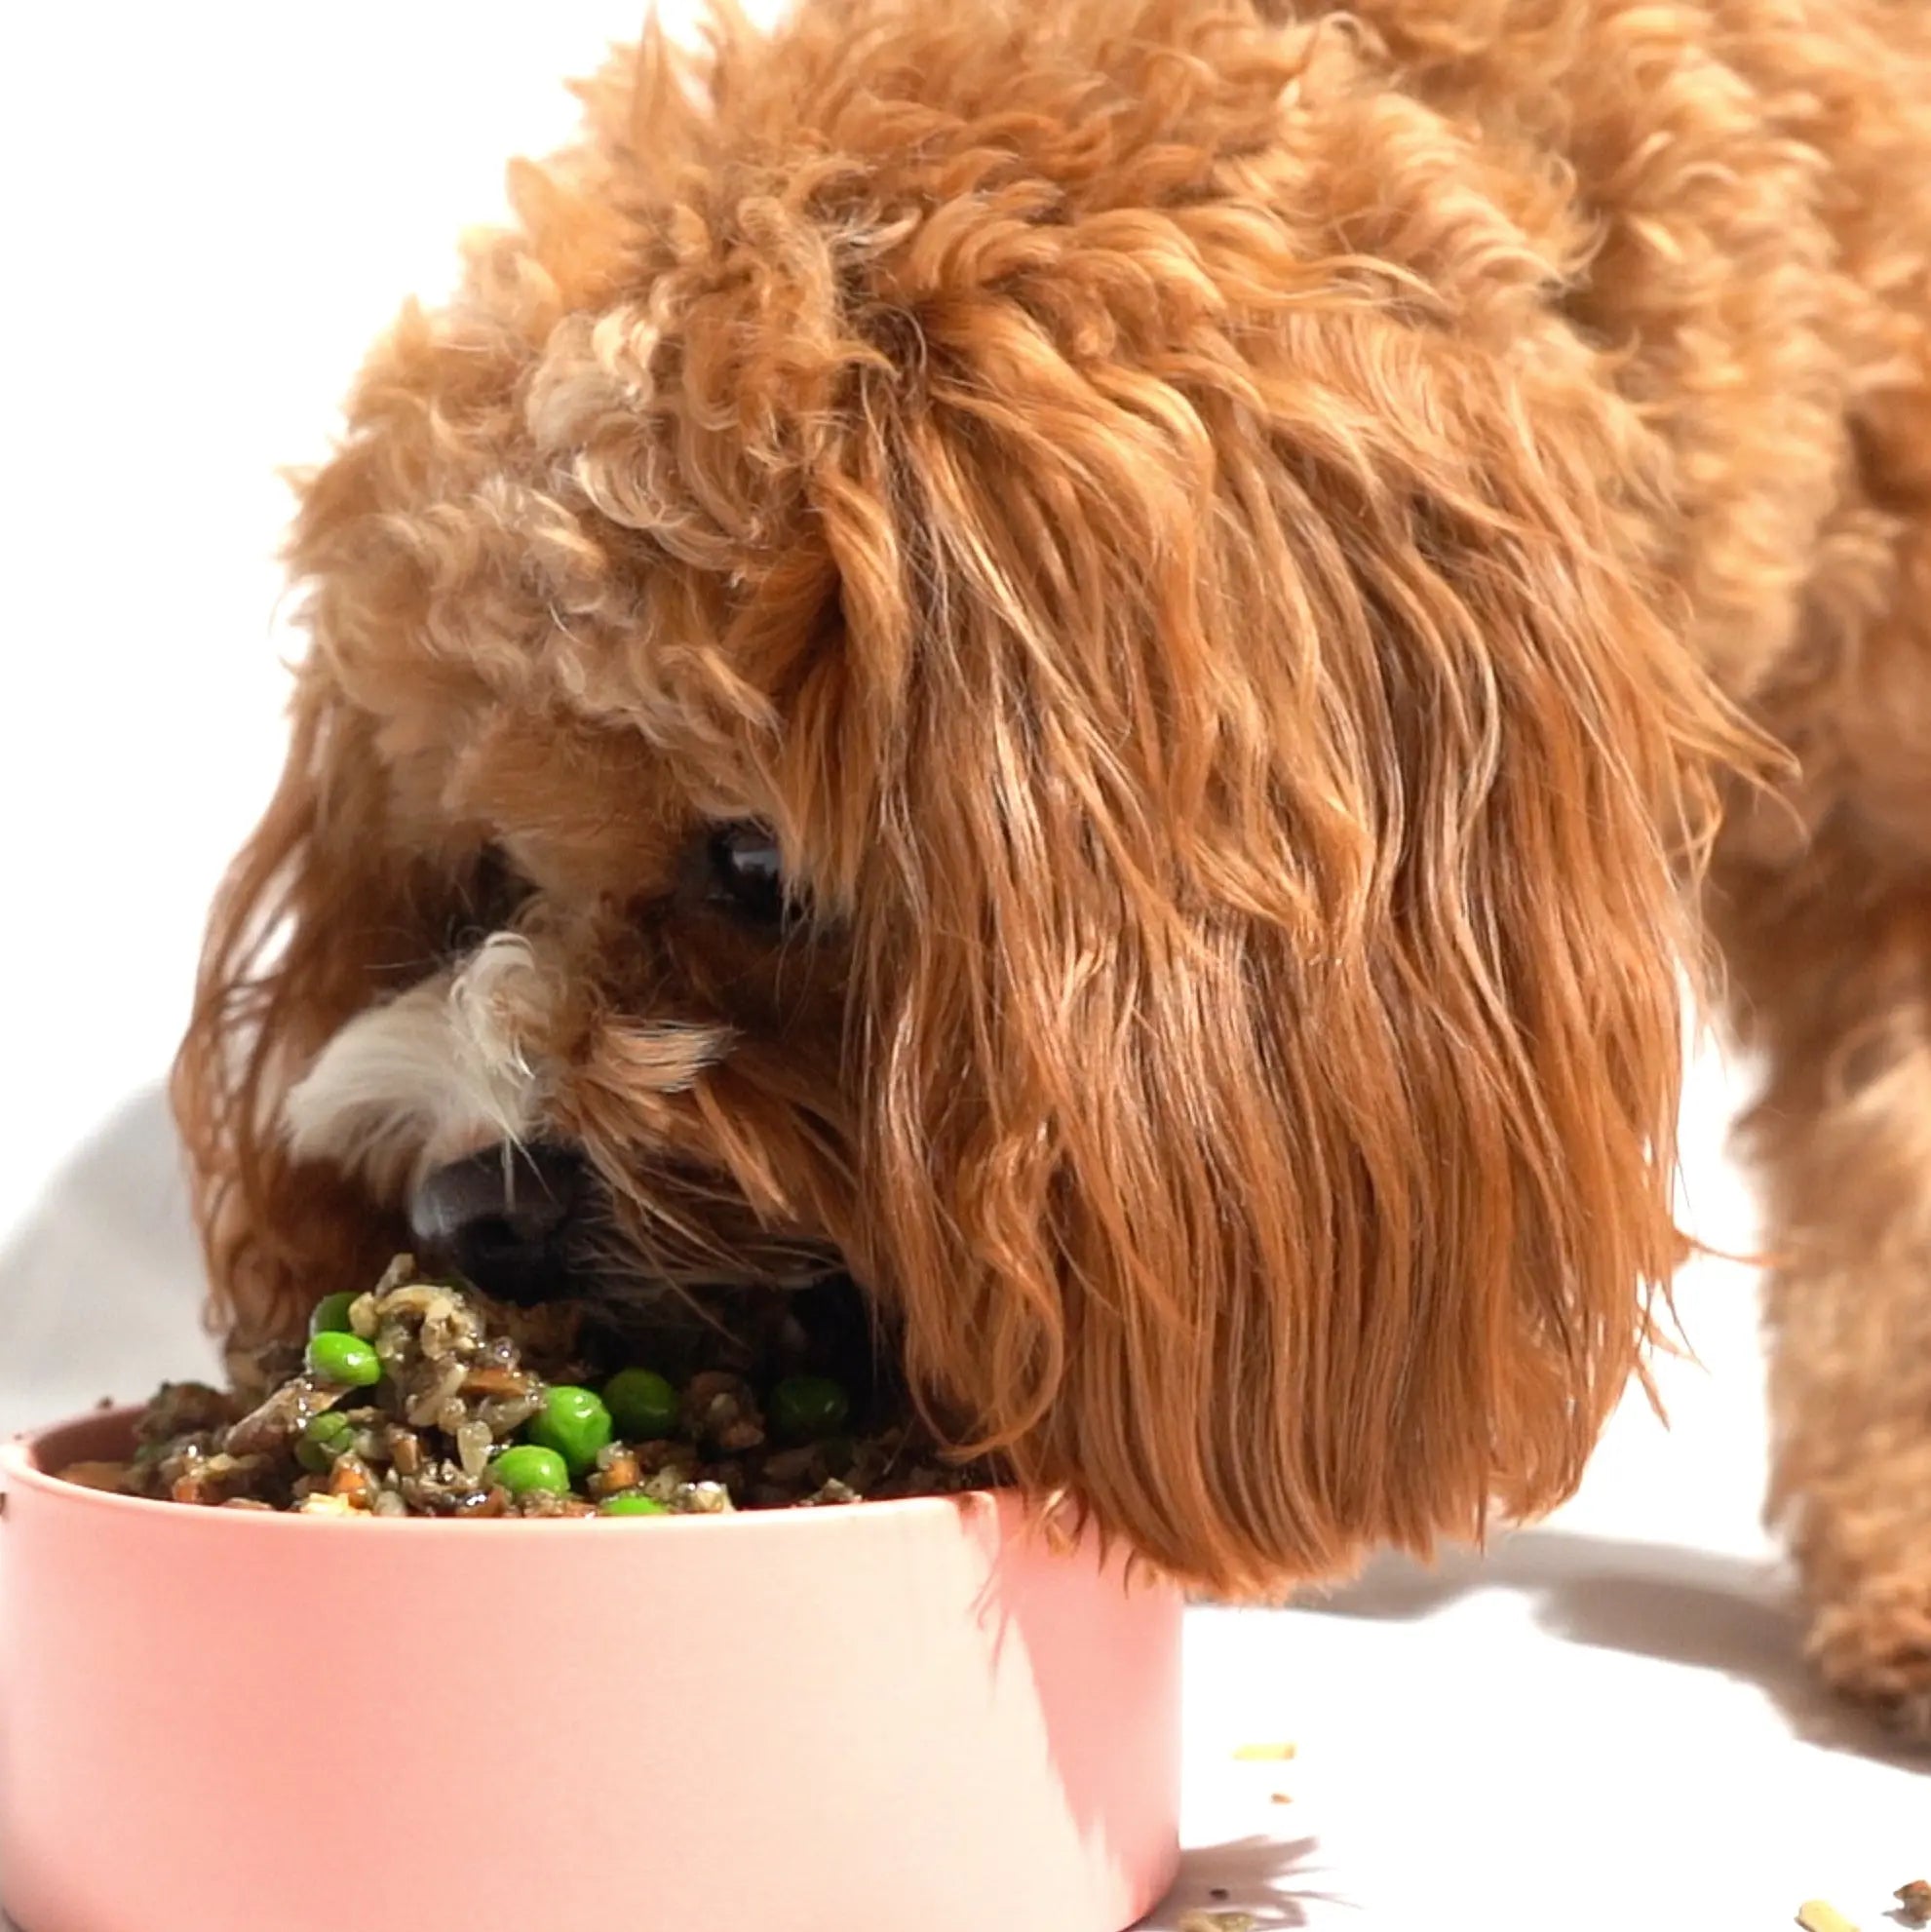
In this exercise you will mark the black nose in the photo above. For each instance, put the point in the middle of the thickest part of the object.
(497, 1217)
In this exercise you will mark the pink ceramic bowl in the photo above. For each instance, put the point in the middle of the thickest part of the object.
(902, 1717)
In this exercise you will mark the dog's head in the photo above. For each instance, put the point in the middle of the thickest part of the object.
(1022, 657)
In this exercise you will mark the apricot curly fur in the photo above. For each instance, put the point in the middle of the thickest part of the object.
(1276, 574)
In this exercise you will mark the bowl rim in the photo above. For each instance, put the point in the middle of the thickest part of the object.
(21, 1468)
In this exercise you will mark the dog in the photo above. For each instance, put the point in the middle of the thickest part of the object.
(1116, 666)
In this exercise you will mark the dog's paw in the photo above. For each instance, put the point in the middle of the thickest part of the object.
(1873, 1646)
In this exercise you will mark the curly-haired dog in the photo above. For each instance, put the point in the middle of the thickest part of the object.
(1093, 660)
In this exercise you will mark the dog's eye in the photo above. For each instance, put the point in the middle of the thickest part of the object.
(746, 874)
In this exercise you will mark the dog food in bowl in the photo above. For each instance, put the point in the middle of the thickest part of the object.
(423, 1399)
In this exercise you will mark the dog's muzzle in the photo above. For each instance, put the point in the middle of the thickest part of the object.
(499, 1218)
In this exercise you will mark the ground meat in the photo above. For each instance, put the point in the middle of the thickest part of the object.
(720, 1411)
(183, 1409)
(462, 1379)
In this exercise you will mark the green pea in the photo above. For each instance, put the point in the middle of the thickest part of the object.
(806, 1408)
(632, 1506)
(323, 1440)
(642, 1404)
(344, 1359)
(332, 1314)
(529, 1466)
(574, 1423)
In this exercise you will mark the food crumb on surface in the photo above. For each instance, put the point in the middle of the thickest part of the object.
(1914, 1902)
(1217, 1921)
(1263, 1754)
(1818, 1915)
(1280, 1797)
(1217, 1892)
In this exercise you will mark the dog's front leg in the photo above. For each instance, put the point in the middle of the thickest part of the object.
(1829, 963)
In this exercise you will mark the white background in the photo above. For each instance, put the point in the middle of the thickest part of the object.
(209, 212)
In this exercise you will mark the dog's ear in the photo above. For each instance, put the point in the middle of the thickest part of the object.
(356, 883)
(1269, 953)
(319, 915)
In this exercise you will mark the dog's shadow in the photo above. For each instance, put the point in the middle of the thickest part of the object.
(1261, 1878)
(1698, 1608)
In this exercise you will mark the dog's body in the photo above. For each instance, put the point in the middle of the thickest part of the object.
(1094, 659)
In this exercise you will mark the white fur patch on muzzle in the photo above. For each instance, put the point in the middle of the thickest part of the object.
(435, 1073)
